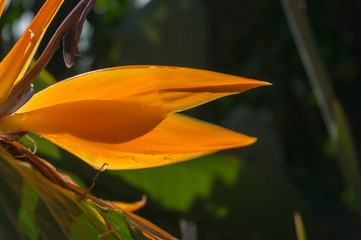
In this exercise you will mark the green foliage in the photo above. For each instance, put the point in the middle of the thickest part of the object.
(32, 207)
(178, 186)
(234, 195)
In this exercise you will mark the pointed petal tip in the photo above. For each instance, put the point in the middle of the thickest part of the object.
(244, 141)
(248, 84)
(131, 206)
(258, 83)
(267, 84)
(252, 140)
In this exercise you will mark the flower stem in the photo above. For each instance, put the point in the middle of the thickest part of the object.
(332, 112)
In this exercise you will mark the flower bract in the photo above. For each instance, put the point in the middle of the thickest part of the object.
(126, 117)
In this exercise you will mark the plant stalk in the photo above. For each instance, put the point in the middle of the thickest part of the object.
(331, 110)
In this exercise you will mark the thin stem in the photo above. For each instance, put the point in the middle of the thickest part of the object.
(332, 112)
(311, 60)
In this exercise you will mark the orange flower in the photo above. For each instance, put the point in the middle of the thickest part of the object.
(126, 117)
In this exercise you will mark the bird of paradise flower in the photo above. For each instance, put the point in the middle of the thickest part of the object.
(126, 117)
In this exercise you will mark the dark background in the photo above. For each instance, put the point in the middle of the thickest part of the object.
(248, 193)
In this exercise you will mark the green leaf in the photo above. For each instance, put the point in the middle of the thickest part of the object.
(43, 146)
(117, 220)
(177, 186)
(28, 204)
(32, 207)
(233, 197)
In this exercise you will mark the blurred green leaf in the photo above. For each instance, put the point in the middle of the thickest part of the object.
(230, 195)
(112, 10)
(177, 186)
(42, 145)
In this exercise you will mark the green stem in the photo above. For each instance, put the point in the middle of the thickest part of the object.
(300, 228)
(332, 112)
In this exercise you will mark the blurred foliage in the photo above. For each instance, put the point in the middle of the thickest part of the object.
(249, 193)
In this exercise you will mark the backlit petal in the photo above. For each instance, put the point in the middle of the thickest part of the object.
(176, 138)
(181, 134)
(107, 121)
(131, 206)
(172, 88)
(15, 63)
(2, 4)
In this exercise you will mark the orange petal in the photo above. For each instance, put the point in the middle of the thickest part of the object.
(2, 4)
(172, 88)
(176, 138)
(15, 63)
(131, 206)
(182, 134)
(107, 121)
